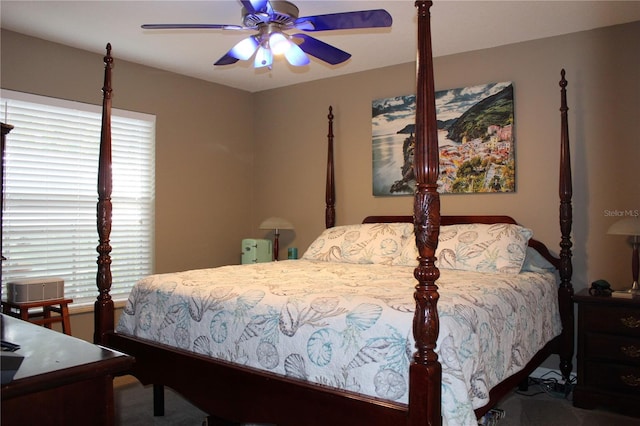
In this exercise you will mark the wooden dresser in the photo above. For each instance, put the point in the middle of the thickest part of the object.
(608, 353)
(62, 380)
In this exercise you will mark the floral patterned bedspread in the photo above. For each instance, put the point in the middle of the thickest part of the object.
(349, 325)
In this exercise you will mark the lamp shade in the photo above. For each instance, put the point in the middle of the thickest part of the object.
(276, 223)
(626, 226)
(630, 226)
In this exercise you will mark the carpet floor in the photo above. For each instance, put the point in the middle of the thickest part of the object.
(134, 407)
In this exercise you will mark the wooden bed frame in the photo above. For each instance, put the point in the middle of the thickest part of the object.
(245, 395)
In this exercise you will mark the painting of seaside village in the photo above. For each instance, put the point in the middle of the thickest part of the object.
(475, 138)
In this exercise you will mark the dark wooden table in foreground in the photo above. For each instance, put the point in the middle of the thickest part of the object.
(62, 380)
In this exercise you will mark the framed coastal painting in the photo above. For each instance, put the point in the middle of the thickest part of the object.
(475, 139)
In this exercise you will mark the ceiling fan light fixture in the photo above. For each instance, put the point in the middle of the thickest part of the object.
(264, 58)
(279, 43)
(296, 56)
(245, 49)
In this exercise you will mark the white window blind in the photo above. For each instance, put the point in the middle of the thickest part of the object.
(50, 194)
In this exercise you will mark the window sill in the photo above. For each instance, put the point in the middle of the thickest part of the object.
(83, 309)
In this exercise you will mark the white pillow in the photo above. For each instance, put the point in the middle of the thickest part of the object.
(498, 248)
(361, 243)
(534, 262)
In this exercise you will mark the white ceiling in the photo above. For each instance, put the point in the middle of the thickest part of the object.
(457, 26)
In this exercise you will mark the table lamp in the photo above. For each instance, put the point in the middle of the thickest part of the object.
(630, 226)
(276, 223)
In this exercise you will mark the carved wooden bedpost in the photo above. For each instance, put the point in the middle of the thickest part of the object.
(104, 319)
(565, 291)
(330, 191)
(425, 374)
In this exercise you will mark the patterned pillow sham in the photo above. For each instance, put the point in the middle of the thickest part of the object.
(498, 248)
(361, 243)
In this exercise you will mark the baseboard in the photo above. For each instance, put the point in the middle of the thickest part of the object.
(549, 373)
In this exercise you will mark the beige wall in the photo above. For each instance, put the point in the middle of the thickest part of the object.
(603, 71)
(226, 159)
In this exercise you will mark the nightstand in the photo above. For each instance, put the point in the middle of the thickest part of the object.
(608, 353)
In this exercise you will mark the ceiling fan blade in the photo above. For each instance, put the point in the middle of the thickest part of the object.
(255, 6)
(243, 50)
(226, 60)
(322, 50)
(345, 21)
(191, 27)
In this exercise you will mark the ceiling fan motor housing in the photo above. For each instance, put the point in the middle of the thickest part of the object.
(284, 13)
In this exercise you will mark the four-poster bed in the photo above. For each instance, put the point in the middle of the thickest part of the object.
(244, 393)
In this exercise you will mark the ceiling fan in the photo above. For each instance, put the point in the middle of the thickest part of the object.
(272, 18)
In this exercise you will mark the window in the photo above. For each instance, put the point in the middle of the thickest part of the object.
(50, 194)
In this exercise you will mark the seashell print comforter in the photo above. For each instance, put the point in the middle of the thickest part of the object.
(350, 326)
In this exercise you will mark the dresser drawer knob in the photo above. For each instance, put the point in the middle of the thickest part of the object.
(630, 351)
(631, 322)
(630, 380)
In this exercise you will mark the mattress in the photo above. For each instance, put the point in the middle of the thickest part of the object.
(349, 326)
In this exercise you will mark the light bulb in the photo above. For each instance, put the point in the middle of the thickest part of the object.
(279, 43)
